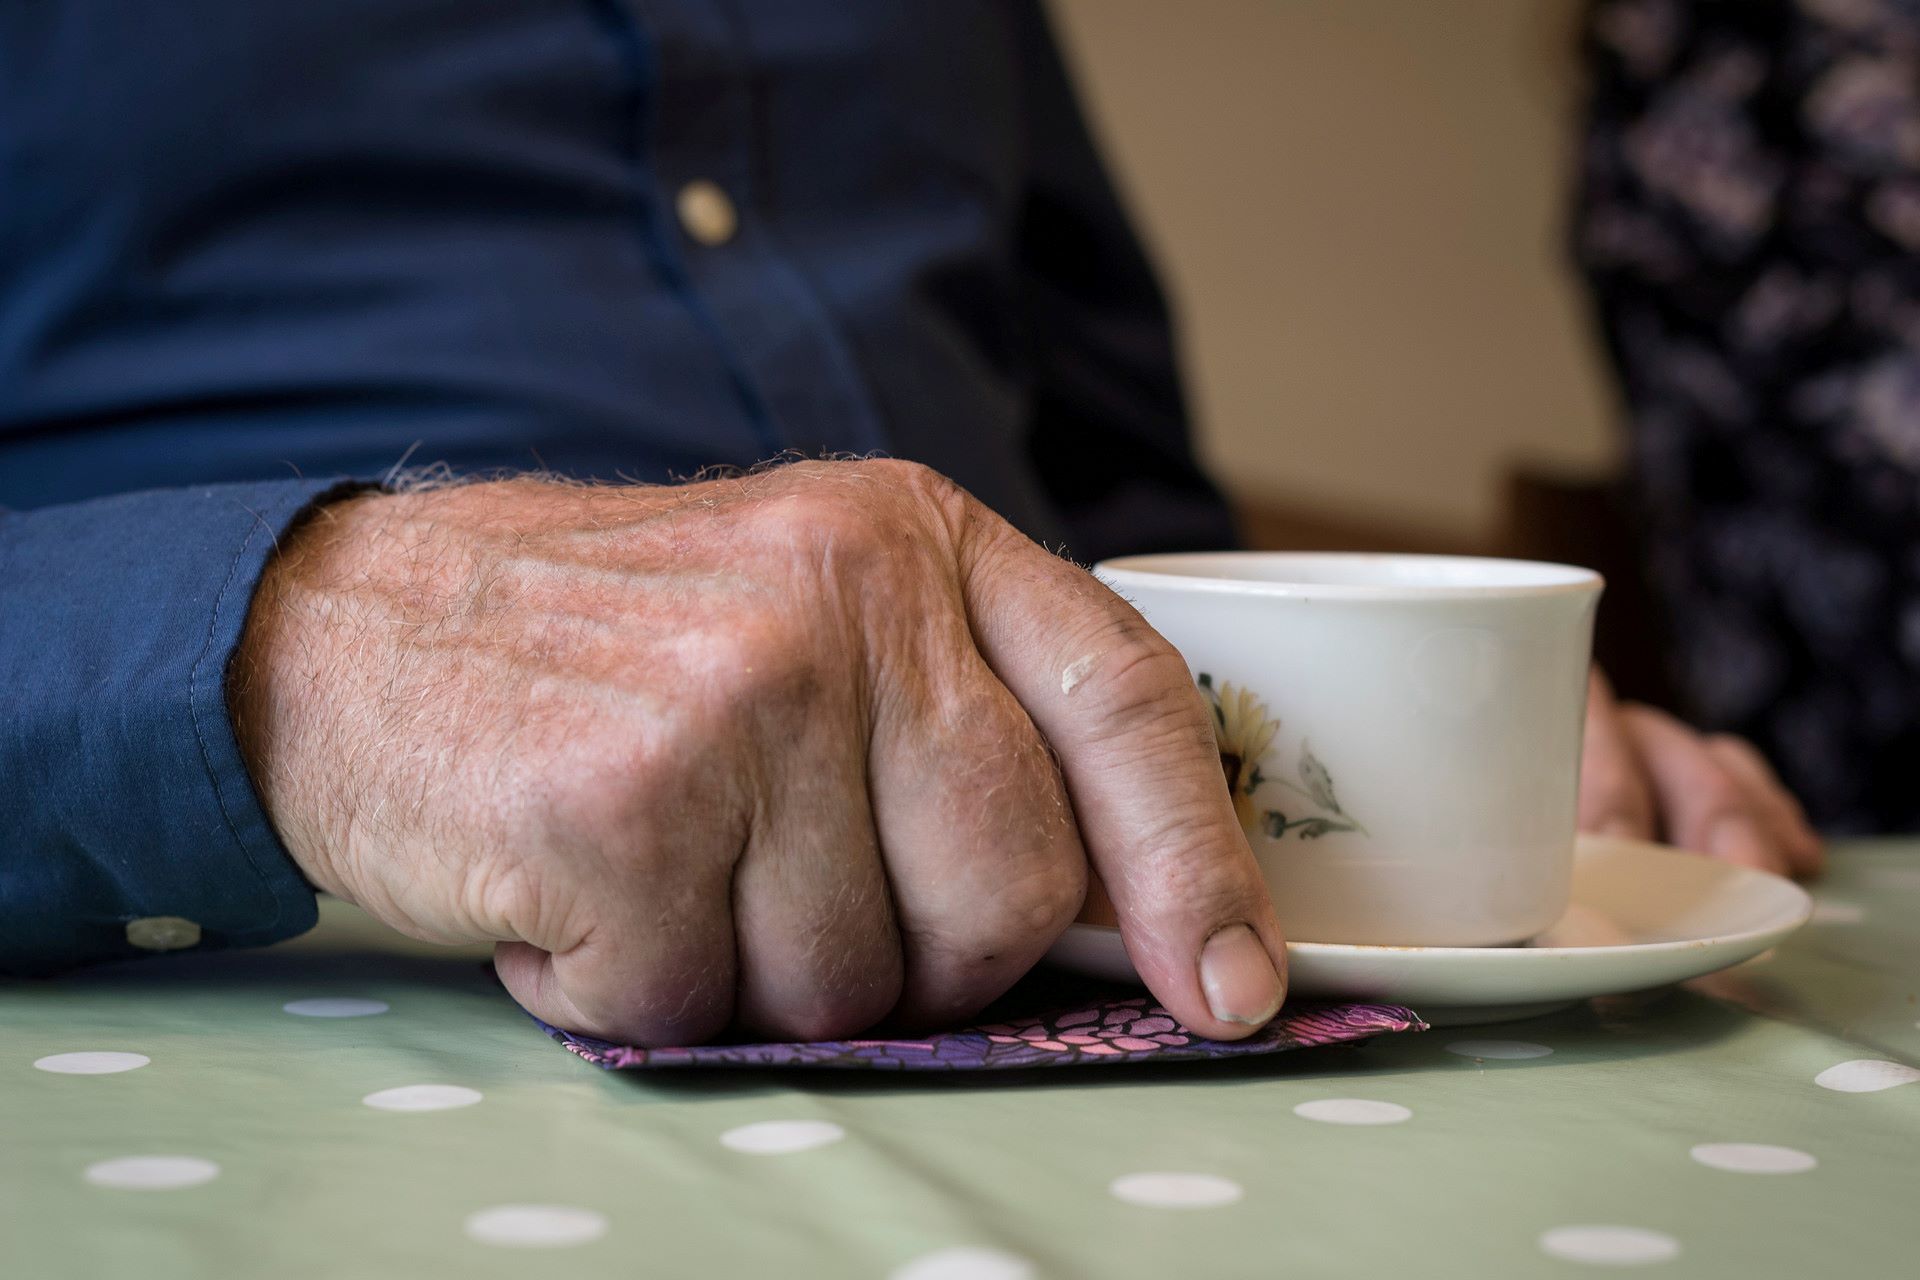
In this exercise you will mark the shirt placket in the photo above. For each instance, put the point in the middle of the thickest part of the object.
(794, 365)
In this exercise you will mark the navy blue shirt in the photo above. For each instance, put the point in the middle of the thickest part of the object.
(248, 250)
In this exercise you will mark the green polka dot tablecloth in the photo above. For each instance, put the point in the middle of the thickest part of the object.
(352, 1104)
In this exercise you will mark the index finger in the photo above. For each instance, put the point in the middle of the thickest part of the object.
(1137, 751)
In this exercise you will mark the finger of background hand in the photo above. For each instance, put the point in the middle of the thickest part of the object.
(1614, 796)
(1805, 852)
(1703, 806)
(986, 865)
(819, 955)
(1137, 751)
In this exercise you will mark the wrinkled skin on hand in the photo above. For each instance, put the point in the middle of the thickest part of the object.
(789, 753)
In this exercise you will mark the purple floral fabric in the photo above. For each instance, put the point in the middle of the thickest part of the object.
(1098, 1028)
(1749, 219)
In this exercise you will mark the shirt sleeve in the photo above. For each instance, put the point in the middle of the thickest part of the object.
(128, 822)
(1110, 438)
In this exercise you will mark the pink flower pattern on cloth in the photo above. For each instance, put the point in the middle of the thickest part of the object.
(1125, 1026)
(1102, 1027)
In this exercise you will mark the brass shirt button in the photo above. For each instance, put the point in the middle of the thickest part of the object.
(163, 933)
(706, 213)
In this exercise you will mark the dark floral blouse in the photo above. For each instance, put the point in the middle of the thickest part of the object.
(1749, 219)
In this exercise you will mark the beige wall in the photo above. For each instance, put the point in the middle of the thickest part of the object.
(1358, 209)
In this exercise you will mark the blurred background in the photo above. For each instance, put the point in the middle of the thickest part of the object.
(1379, 318)
(1385, 340)
(1365, 216)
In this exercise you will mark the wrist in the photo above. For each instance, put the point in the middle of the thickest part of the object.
(277, 677)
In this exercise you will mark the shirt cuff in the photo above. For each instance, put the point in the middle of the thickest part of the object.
(133, 821)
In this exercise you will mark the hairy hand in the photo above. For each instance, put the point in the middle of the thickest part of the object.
(791, 753)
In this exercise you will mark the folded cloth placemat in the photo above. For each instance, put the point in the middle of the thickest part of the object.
(1064, 1024)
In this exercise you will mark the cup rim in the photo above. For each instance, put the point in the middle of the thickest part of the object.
(1188, 571)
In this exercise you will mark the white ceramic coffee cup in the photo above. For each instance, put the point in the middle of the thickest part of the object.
(1402, 732)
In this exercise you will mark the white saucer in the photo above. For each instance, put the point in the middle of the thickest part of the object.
(1643, 915)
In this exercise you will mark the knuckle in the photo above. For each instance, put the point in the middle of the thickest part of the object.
(665, 1007)
(770, 662)
(508, 895)
(1608, 787)
(1015, 921)
(595, 793)
(825, 523)
(1715, 792)
(1041, 904)
(1644, 711)
(934, 500)
(1741, 754)
(1643, 722)
(1197, 878)
(916, 478)
(831, 1012)
(1139, 681)
(862, 524)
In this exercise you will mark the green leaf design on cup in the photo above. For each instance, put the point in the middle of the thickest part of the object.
(1245, 734)
(1319, 782)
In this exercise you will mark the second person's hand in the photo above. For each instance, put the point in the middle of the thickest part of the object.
(1645, 774)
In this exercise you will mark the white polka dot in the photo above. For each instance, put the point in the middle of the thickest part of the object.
(1610, 1246)
(423, 1097)
(1752, 1157)
(1834, 912)
(91, 1063)
(1176, 1190)
(152, 1173)
(782, 1137)
(1352, 1111)
(964, 1264)
(536, 1226)
(1866, 1075)
(335, 1007)
(1498, 1049)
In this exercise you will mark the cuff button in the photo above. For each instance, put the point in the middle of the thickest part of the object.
(706, 213)
(163, 933)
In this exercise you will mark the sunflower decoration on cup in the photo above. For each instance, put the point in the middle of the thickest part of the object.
(1245, 734)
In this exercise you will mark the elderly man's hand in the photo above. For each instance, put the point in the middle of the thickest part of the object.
(761, 752)
(1645, 774)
